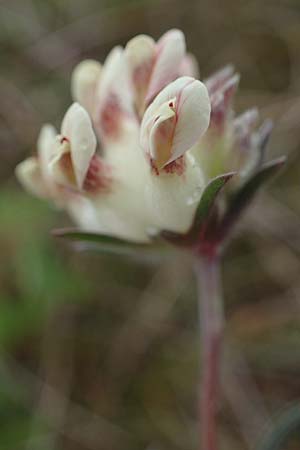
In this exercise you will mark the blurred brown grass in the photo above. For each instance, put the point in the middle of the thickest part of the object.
(102, 352)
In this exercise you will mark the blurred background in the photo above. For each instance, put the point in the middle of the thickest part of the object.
(102, 352)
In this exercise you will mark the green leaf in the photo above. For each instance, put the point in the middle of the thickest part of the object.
(241, 199)
(202, 213)
(208, 199)
(104, 243)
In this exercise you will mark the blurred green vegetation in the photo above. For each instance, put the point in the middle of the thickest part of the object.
(34, 278)
(101, 352)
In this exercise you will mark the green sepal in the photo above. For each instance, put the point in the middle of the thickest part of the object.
(207, 200)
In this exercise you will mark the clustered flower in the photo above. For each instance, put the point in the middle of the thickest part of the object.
(142, 140)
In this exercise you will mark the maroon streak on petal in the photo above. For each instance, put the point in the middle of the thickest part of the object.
(98, 177)
(154, 169)
(110, 116)
(178, 166)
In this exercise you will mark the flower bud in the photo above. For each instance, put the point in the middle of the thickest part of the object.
(140, 53)
(84, 82)
(114, 102)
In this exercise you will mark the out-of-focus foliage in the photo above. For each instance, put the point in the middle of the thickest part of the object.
(34, 279)
(101, 352)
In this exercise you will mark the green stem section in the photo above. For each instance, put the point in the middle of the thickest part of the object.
(207, 269)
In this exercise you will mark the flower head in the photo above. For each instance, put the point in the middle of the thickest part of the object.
(139, 149)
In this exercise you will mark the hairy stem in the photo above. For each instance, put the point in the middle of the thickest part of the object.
(207, 269)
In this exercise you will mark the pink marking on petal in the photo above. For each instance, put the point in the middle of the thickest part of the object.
(141, 75)
(177, 166)
(221, 102)
(218, 115)
(110, 116)
(153, 166)
(98, 177)
(243, 126)
(229, 89)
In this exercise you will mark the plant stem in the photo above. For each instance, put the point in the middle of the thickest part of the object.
(207, 269)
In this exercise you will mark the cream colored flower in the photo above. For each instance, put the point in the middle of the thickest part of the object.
(175, 121)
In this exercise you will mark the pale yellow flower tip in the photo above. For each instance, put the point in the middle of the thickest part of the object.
(29, 175)
(84, 82)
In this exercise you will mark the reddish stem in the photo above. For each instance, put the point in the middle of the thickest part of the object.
(211, 323)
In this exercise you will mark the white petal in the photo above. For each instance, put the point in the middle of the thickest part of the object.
(110, 69)
(169, 92)
(189, 66)
(85, 79)
(172, 199)
(45, 148)
(29, 175)
(84, 214)
(161, 134)
(171, 50)
(192, 109)
(77, 127)
(140, 53)
(193, 118)
(116, 218)
(130, 172)
(115, 102)
(110, 213)
(116, 79)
